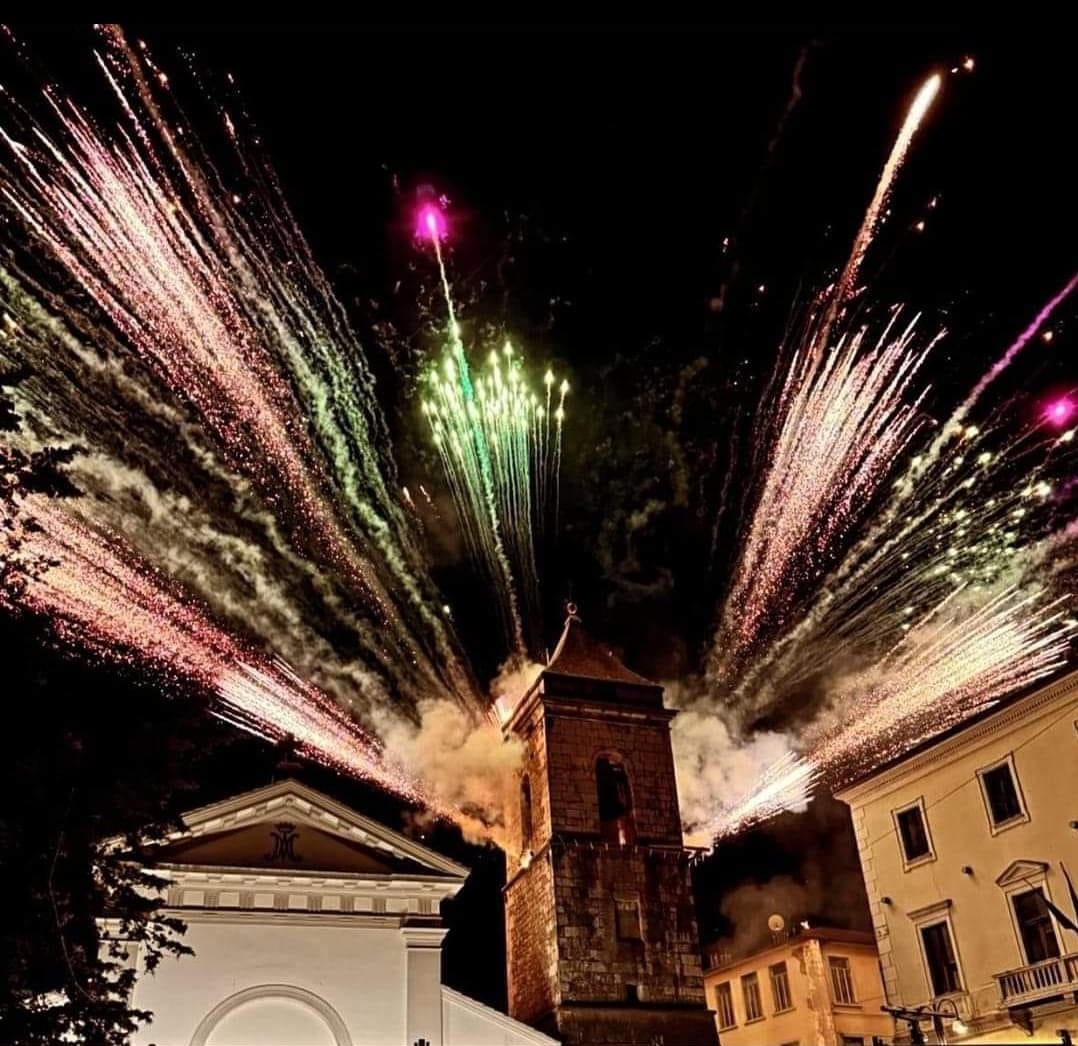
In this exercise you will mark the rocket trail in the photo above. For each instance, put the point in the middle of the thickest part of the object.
(493, 437)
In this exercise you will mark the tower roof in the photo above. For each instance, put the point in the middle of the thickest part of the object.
(578, 654)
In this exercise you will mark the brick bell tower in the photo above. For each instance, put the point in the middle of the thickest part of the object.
(600, 925)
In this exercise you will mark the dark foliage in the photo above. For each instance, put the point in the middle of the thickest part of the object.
(91, 756)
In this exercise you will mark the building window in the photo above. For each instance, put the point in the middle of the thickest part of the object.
(525, 813)
(940, 957)
(1035, 925)
(724, 1005)
(627, 918)
(999, 784)
(616, 823)
(853, 1040)
(913, 834)
(780, 987)
(841, 980)
(750, 993)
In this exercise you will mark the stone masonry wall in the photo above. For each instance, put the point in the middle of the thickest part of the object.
(531, 942)
(535, 766)
(573, 744)
(595, 964)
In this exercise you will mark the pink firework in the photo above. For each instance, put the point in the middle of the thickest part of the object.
(100, 597)
(1059, 412)
(430, 223)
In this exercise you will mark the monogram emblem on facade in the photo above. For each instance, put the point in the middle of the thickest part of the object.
(284, 836)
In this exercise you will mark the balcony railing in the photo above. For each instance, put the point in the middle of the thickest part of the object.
(1041, 980)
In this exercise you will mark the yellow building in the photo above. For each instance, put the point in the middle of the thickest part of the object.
(820, 987)
(962, 842)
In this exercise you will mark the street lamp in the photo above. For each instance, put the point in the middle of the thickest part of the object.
(913, 1017)
(958, 1026)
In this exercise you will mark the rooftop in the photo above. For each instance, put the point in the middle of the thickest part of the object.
(578, 654)
(722, 954)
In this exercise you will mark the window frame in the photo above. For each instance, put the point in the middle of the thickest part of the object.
(775, 1009)
(729, 986)
(625, 822)
(914, 862)
(1033, 881)
(930, 916)
(831, 967)
(754, 977)
(1012, 896)
(1012, 822)
(527, 814)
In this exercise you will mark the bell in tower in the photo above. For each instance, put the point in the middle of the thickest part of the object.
(600, 924)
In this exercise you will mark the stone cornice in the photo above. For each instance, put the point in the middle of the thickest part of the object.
(585, 708)
(417, 936)
(293, 917)
(978, 733)
(307, 879)
(935, 908)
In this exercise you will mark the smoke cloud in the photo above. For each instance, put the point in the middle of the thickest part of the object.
(715, 769)
(462, 761)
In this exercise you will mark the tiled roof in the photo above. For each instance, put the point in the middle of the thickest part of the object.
(578, 654)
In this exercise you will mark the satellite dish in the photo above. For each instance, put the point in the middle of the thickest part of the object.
(776, 923)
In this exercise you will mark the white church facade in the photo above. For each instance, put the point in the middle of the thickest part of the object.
(312, 925)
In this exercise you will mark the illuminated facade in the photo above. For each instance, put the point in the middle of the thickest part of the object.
(963, 842)
(820, 987)
(311, 924)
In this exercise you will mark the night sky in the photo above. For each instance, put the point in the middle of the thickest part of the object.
(592, 179)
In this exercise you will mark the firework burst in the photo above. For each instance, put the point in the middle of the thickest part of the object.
(886, 603)
(500, 444)
(211, 300)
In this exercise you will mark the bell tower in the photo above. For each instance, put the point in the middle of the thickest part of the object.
(601, 931)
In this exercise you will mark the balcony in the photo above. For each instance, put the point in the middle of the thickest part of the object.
(1041, 980)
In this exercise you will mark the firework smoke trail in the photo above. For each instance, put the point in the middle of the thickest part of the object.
(974, 516)
(929, 622)
(492, 434)
(939, 610)
(152, 478)
(937, 614)
(785, 785)
(843, 417)
(234, 319)
(1018, 345)
(952, 664)
(841, 420)
(961, 513)
(843, 413)
(915, 115)
(101, 599)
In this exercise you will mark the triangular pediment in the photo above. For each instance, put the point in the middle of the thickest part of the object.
(288, 825)
(1020, 872)
(292, 844)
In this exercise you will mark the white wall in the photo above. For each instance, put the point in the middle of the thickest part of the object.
(470, 1023)
(360, 972)
(1043, 739)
